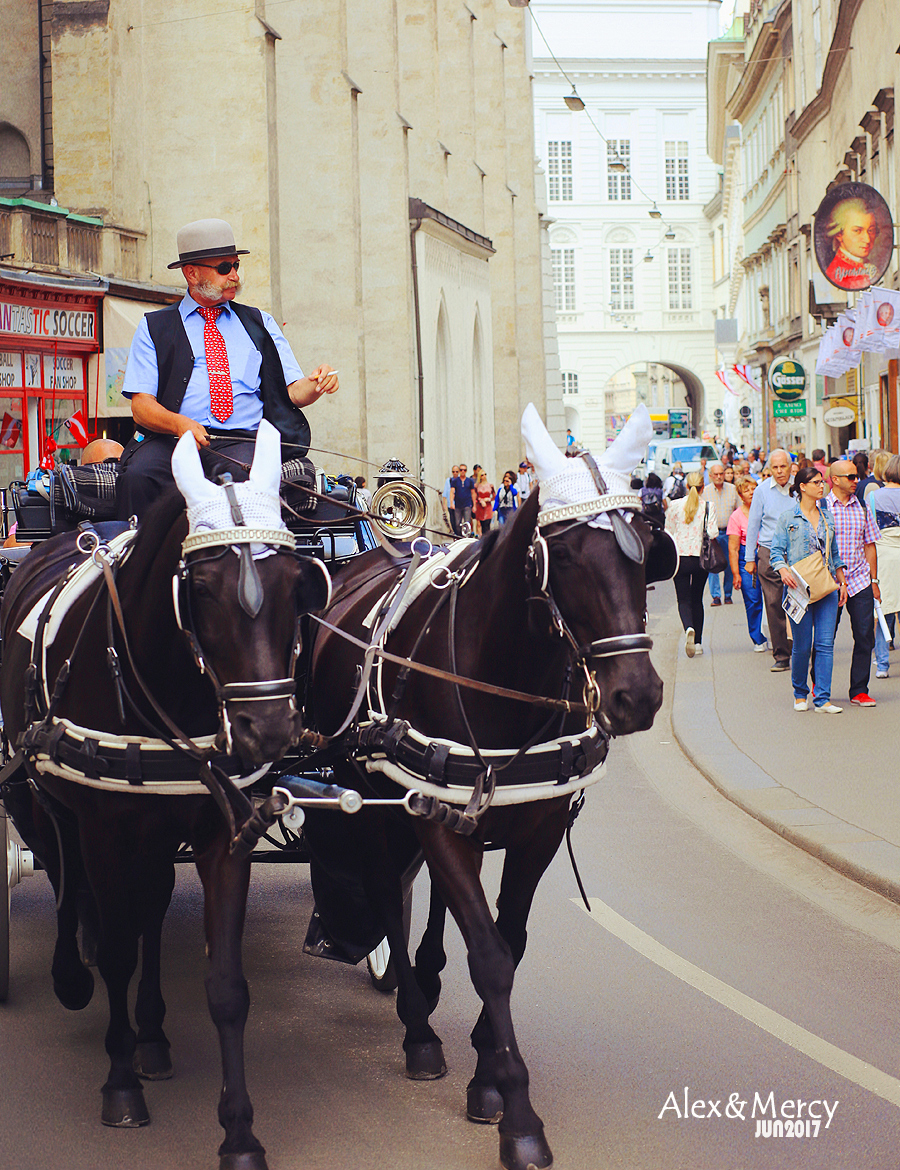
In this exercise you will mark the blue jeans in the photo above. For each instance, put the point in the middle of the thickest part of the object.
(882, 658)
(715, 588)
(752, 594)
(815, 630)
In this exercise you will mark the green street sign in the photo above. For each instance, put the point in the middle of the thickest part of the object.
(788, 380)
(788, 409)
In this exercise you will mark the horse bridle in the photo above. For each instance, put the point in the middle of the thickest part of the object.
(250, 595)
(613, 505)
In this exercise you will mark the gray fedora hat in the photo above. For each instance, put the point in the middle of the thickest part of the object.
(204, 239)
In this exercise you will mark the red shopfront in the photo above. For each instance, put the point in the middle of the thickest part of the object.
(49, 347)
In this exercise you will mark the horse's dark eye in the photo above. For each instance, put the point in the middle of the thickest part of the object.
(560, 554)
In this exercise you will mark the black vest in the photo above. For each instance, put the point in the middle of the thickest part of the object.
(175, 362)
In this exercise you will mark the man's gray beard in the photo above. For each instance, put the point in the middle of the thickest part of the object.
(212, 292)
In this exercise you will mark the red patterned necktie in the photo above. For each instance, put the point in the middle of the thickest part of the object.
(220, 395)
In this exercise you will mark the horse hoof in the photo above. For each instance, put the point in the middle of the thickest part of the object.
(249, 1160)
(484, 1105)
(152, 1061)
(124, 1108)
(425, 1062)
(529, 1152)
(76, 992)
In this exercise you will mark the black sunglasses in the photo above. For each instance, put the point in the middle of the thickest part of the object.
(224, 268)
(840, 475)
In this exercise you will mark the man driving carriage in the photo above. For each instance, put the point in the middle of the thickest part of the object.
(211, 366)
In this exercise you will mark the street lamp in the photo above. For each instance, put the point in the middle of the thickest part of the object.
(670, 234)
(654, 212)
(617, 165)
(648, 259)
(572, 100)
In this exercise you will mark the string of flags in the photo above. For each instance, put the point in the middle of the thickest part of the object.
(735, 377)
(872, 326)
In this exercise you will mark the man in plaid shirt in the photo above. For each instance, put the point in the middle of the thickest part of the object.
(856, 533)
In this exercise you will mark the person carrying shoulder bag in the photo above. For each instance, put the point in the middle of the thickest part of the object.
(804, 542)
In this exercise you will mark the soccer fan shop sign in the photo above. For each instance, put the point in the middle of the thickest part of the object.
(48, 323)
(788, 381)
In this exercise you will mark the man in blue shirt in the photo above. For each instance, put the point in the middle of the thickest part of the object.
(207, 340)
(770, 499)
(461, 493)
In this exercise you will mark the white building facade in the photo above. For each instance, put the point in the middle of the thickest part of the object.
(627, 181)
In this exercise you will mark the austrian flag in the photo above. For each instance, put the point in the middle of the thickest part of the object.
(77, 426)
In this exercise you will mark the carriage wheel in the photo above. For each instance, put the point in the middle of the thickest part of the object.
(16, 863)
(4, 906)
(382, 970)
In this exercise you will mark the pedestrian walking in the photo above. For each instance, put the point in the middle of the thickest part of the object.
(745, 582)
(525, 481)
(770, 499)
(685, 523)
(807, 531)
(884, 505)
(484, 503)
(857, 534)
(722, 498)
(505, 502)
(461, 487)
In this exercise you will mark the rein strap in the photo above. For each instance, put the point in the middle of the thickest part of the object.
(445, 676)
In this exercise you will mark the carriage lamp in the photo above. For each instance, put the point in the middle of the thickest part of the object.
(399, 507)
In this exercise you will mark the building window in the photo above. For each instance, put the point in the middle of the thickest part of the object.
(559, 171)
(570, 383)
(564, 279)
(618, 184)
(680, 296)
(621, 279)
(677, 185)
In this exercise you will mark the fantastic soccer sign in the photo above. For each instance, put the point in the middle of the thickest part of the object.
(854, 236)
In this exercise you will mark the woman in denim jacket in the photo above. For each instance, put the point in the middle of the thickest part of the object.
(807, 528)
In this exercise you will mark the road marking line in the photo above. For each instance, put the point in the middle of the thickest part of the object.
(828, 1055)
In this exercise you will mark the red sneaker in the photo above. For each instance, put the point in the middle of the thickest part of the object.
(863, 700)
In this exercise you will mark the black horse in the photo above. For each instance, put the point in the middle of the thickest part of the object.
(557, 617)
(102, 817)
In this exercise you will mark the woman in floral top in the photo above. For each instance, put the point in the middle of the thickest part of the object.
(684, 523)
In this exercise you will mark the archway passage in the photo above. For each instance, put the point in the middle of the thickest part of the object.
(661, 386)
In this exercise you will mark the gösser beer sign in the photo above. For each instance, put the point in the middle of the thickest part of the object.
(787, 379)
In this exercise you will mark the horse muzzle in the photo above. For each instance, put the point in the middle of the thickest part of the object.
(259, 722)
(631, 694)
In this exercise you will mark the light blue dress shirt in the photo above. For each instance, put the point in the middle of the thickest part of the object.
(244, 363)
(769, 501)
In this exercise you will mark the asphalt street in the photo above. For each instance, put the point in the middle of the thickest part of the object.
(718, 961)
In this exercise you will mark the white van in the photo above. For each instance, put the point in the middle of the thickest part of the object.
(663, 453)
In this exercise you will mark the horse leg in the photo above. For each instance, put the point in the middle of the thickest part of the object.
(109, 852)
(431, 958)
(226, 880)
(73, 983)
(523, 868)
(423, 1048)
(454, 867)
(152, 1061)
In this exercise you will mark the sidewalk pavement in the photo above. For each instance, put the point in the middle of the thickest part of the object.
(828, 783)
